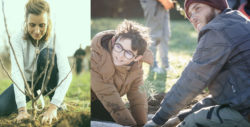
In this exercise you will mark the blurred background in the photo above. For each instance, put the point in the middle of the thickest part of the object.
(124, 9)
(71, 21)
(107, 14)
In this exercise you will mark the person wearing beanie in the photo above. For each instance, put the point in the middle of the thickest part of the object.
(220, 63)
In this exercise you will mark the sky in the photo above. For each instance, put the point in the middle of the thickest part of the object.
(71, 20)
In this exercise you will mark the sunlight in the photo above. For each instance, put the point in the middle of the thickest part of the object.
(71, 21)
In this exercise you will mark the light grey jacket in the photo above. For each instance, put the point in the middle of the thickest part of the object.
(221, 62)
(25, 53)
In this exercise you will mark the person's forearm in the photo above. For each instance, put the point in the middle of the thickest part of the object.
(22, 109)
(161, 117)
(52, 106)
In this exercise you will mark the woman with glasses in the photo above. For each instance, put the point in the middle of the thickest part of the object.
(116, 70)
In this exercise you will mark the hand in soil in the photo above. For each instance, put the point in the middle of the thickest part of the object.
(151, 124)
(22, 115)
(50, 114)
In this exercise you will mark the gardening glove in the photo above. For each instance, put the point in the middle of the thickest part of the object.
(22, 114)
(151, 123)
(50, 114)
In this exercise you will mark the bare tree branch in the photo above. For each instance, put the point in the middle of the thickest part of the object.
(43, 72)
(29, 90)
(12, 49)
(44, 84)
(47, 77)
(33, 69)
(61, 81)
(5, 70)
(44, 77)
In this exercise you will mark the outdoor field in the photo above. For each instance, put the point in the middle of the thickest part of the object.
(181, 47)
(77, 101)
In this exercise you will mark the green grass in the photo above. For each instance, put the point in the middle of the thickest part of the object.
(79, 91)
(77, 101)
(181, 47)
(4, 84)
(78, 94)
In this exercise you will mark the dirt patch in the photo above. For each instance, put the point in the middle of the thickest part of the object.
(74, 120)
(65, 119)
(154, 104)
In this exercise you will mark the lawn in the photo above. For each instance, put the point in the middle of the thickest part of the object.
(77, 101)
(181, 47)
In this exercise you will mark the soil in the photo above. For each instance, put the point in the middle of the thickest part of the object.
(65, 119)
(154, 104)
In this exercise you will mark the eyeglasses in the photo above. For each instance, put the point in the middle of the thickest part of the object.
(118, 48)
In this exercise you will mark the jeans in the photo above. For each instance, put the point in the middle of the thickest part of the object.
(7, 98)
(158, 20)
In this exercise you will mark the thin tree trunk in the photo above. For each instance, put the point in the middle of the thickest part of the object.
(34, 110)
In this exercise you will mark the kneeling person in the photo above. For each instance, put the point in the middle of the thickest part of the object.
(116, 70)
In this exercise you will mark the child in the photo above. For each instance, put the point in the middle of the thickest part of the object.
(116, 70)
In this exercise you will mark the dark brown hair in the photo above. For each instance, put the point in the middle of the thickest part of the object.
(138, 34)
(37, 7)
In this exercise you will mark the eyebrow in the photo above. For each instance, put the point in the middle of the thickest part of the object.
(195, 6)
(122, 46)
(125, 49)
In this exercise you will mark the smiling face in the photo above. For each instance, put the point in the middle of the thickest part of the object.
(122, 52)
(37, 25)
(200, 14)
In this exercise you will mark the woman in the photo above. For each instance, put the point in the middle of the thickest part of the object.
(35, 38)
(116, 70)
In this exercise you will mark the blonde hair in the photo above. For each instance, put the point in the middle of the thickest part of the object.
(37, 7)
